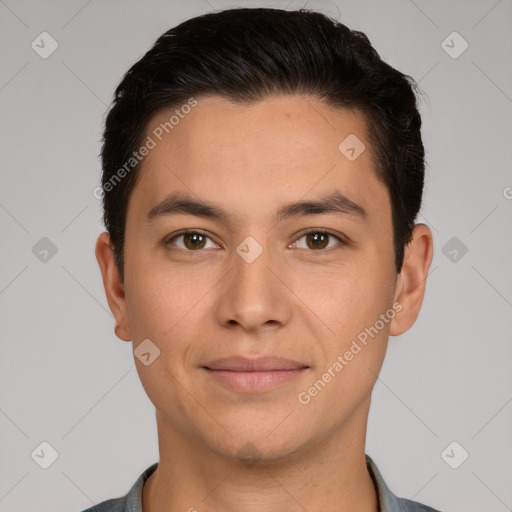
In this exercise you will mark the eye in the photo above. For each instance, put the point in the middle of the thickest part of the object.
(318, 239)
(192, 240)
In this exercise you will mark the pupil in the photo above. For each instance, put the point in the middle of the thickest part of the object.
(194, 238)
(316, 237)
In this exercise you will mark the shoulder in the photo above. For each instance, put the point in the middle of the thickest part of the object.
(388, 501)
(131, 502)
(413, 506)
(112, 505)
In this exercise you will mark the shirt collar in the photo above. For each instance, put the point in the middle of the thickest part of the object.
(388, 502)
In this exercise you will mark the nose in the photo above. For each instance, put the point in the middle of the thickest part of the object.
(254, 294)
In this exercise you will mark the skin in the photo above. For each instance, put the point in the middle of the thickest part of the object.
(295, 301)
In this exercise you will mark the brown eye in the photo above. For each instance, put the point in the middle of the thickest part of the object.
(318, 240)
(192, 240)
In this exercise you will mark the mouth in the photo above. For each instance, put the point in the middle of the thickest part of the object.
(254, 375)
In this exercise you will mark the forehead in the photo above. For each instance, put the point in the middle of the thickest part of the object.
(275, 123)
(282, 148)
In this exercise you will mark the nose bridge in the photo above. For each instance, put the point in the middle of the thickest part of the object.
(253, 296)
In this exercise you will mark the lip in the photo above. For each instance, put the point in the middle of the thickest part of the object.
(254, 375)
(261, 364)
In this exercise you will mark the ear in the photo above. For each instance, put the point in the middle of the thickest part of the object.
(114, 288)
(411, 282)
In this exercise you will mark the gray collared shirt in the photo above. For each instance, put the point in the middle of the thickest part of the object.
(388, 502)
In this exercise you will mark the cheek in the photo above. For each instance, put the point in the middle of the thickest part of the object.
(349, 298)
(151, 308)
(353, 355)
(164, 304)
(161, 309)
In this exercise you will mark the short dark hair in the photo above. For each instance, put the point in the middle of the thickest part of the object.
(248, 54)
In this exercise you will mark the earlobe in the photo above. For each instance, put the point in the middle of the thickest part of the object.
(411, 282)
(114, 289)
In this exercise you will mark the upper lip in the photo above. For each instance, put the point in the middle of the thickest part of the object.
(243, 364)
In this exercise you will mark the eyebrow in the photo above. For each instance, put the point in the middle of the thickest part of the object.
(181, 204)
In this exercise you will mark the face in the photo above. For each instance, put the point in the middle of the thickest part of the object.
(271, 320)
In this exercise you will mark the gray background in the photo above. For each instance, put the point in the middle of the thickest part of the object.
(67, 380)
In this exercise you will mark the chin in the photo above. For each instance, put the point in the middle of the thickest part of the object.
(258, 449)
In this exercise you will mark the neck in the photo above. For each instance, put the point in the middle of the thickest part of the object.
(328, 475)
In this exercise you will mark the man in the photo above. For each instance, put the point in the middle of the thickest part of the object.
(262, 172)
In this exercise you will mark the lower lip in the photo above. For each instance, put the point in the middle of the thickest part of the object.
(254, 382)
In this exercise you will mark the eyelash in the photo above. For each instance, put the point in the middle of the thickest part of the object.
(322, 231)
